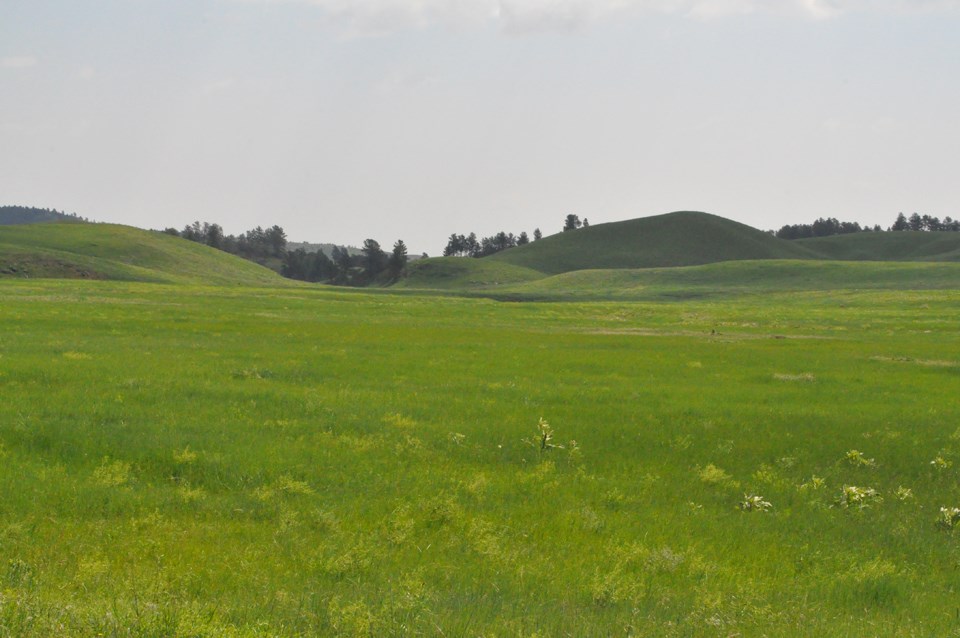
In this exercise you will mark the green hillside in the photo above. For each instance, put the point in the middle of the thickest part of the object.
(889, 246)
(107, 251)
(733, 278)
(448, 273)
(674, 239)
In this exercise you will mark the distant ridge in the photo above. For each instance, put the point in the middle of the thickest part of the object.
(679, 253)
(13, 215)
(886, 246)
(685, 238)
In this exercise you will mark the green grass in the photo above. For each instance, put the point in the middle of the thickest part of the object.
(888, 246)
(737, 278)
(212, 461)
(107, 251)
(457, 273)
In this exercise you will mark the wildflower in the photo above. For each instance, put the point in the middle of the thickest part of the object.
(903, 493)
(940, 463)
(948, 518)
(754, 503)
(856, 458)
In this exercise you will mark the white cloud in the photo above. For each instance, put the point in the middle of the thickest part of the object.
(371, 17)
(86, 72)
(18, 62)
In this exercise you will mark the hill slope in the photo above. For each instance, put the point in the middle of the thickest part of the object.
(888, 246)
(453, 273)
(108, 251)
(674, 239)
(733, 278)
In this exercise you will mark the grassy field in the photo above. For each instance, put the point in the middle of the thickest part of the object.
(198, 461)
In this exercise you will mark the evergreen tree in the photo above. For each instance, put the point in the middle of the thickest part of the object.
(572, 222)
(398, 258)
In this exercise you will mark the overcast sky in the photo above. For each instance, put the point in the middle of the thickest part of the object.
(342, 120)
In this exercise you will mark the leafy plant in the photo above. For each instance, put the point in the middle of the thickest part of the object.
(857, 459)
(543, 440)
(754, 503)
(948, 518)
(859, 497)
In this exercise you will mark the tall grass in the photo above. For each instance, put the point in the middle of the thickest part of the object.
(189, 461)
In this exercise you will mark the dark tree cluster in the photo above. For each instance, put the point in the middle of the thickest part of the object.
(470, 246)
(10, 215)
(572, 222)
(342, 267)
(918, 222)
(257, 244)
(823, 227)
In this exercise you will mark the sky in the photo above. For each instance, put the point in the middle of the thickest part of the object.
(344, 120)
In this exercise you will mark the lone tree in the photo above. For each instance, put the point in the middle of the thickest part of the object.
(572, 222)
(537, 235)
(398, 258)
(374, 259)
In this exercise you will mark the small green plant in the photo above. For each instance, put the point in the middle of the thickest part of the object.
(859, 497)
(903, 493)
(948, 518)
(815, 483)
(857, 459)
(543, 441)
(754, 503)
(940, 464)
(713, 475)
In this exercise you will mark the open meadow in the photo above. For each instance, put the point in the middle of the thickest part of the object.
(178, 460)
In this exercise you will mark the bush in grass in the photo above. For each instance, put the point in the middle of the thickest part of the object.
(858, 497)
(754, 503)
(857, 459)
(948, 518)
(713, 475)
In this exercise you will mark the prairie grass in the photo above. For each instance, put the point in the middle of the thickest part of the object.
(193, 461)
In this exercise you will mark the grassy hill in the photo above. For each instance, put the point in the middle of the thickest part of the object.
(451, 273)
(107, 251)
(890, 246)
(733, 278)
(674, 239)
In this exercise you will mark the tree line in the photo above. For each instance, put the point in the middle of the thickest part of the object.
(12, 215)
(824, 227)
(256, 244)
(470, 246)
(269, 247)
(343, 268)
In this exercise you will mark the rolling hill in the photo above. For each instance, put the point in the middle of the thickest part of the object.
(693, 254)
(453, 273)
(675, 239)
(736, 278)
(108, 251)
(890, 246)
